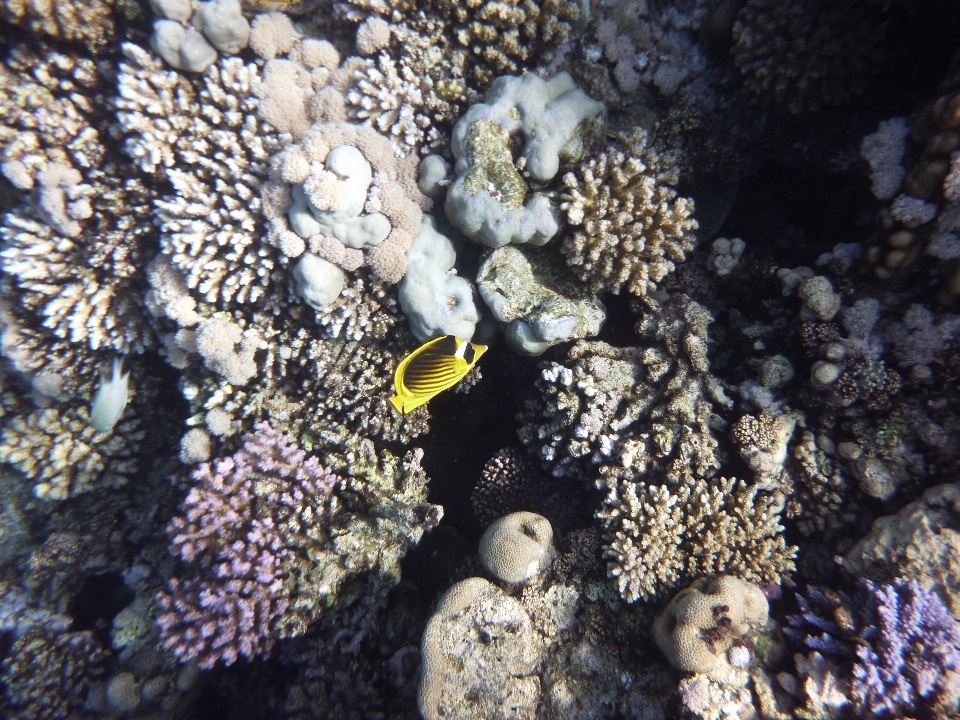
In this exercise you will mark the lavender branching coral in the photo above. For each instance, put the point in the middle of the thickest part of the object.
(236, 526)
(274, 545)
(898, 641)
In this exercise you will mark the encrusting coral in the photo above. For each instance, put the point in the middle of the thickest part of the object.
(634, 226)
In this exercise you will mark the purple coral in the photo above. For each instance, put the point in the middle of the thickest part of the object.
(910, 652)
(899, 637)
(241, 527)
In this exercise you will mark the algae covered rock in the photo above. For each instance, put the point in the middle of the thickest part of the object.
(536, 300)
(920, 542)
(479, 652)
(527, 127)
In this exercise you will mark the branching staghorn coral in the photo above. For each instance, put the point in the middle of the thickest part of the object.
(91, 23)
(631, 411)
(657, 536)
(276, 535)
(206, 138)
(631, 226)
(903, 643)
(72, 248)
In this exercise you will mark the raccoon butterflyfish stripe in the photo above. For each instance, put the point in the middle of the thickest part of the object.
(432, 368)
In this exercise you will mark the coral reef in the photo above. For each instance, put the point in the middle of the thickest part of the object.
(634, 227)
(72, 248)
(806, 56)
(216, 161)
(658, 537)
(275, 542)
(635, 410)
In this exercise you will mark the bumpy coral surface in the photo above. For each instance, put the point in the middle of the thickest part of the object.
(631, 227)
(807, 55)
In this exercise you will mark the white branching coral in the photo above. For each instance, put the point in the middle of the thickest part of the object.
(72, 247)
(65, 456)
(631, 228)
(657, 536)
(213, 148)
(389, 96)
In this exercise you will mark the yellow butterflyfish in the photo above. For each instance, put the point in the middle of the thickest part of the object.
(432, 368)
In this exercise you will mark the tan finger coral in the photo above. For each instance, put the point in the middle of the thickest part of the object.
(517, 547)
(704, 621)
(631, 227)
(656, 536)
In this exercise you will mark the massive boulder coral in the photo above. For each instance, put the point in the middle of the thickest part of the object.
(277, 537)
(637, 411)
(920, 542)
(631, 228)
(493, 669)
(701, 625)
(490, 199)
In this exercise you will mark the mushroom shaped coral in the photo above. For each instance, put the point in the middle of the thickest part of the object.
(702, 622)
(517, 547)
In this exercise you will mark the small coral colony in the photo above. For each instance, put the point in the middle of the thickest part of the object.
(494, 360)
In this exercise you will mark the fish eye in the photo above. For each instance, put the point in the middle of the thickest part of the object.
(469, 353)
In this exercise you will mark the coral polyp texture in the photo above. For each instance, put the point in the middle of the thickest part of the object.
(811, 55)
(215, 160)
(630, 226)
(70, 250)
(274, 544)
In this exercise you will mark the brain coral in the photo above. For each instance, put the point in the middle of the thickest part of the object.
(631, 228)
(701, 623)
(517, 547)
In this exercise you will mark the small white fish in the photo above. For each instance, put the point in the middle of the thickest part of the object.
(111, 399)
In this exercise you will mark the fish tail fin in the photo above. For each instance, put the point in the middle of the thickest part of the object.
(397, 402)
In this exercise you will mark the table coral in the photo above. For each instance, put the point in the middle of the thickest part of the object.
(630, 225)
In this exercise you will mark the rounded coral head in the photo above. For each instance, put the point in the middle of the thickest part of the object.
(701, 623)
(518, 547)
